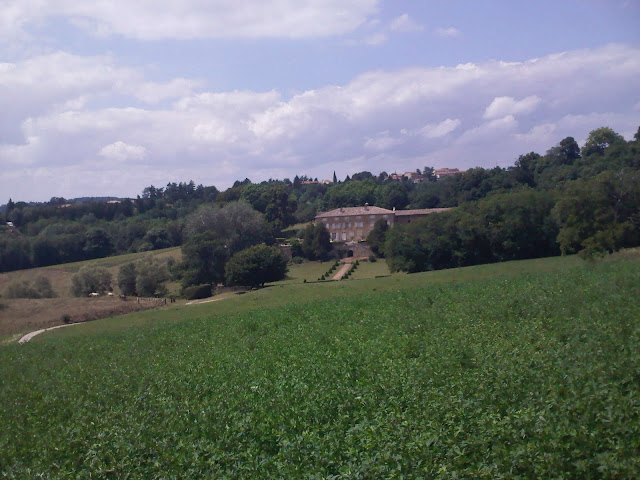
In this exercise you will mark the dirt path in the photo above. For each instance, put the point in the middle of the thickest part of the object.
(29, 336)
(195, 302)
(342, 271)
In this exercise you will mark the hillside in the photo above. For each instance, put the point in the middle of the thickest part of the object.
(522, 369)
(19, 316)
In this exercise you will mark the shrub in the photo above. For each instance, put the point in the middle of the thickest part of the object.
(197, 291)
(372, 258)
(90, 279)
(127, 279)
(66, 318)
(145, 277)
(297, 260)
(40, 287)
(256, 266)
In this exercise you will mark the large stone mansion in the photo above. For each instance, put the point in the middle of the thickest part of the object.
(353, 224)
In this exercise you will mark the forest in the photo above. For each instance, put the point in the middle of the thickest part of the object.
(571, 199)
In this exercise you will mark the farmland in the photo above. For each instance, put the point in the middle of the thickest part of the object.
(23, 315)
(518, 370)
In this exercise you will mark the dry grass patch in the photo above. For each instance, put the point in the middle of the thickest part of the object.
(24, 315)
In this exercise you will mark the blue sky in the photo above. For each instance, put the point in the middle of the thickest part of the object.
(110, 96)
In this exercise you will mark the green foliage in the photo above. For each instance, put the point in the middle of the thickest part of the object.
(256, 266)
(97, 243)
(529, 377)
(127, 279)
(503, 227)
(197, 292)
(599, 140)
(146, 277)
(39, 287)
(316, 242)
(90, 279)
(600, 214)
(372, 258)
(151, 275)
(216, 233)
(204, 256)
(377, 237)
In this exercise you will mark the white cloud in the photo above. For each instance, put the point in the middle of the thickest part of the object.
(501, 106)
(120, 151)
(404, 23)
(449, 32)
(157, 19)
(381, 120)
(382, 141)
(440, 129)
(375, 39)
(490, 130)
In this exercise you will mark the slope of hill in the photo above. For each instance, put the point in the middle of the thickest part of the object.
(529, 371)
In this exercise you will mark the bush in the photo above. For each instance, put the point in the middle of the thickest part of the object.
(297, 260)
(256, 266)
(90, 279)
(66, 318)
(197, 291)
(372, 258)
(40, 287)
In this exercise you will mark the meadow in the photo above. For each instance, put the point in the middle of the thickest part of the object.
(20, 316)
(517, 370)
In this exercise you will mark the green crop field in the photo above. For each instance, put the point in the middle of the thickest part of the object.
(519, 370)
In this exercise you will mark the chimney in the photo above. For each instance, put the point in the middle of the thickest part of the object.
(394, 209)
(366, 206)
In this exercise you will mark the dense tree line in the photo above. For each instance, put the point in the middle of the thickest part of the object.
(61, 231)
(570, 200)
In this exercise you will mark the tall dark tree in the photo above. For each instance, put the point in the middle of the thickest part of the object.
(97, 243)
(316, 242)
(256, 266)
(377, 237)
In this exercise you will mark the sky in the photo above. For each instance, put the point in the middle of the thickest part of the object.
(107, 97)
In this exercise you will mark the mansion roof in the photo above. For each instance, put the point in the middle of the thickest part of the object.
(348, 211)
(421, 211)
(371, 210)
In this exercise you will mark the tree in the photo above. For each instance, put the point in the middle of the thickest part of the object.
(524, 170)
(127, 279)
(565, 153)
(40, 287)
(428, 174)
(335, 179)
(316, 242)
(601, 214)
(279, 208)
(97, 243)
(599, 140)
(90, 279)
(151, 274)
(256, 266)
(204, 257)
(377, 237)
(236, 225)
(392, 195)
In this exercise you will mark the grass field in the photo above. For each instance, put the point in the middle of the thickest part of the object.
(24, 315)
(309, 271)
(519, 370)
(368, 269)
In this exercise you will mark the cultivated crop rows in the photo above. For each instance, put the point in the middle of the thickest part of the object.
(533, 377)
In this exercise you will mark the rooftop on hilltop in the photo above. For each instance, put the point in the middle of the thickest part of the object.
(366, 210)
